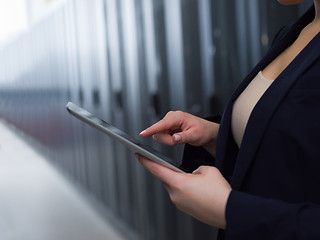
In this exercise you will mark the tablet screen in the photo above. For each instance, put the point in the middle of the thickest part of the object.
(122, 137)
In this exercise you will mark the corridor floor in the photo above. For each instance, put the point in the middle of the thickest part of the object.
(37, 203)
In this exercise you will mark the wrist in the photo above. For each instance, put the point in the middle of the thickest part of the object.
(210, 146)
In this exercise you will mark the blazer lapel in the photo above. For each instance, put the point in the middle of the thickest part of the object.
(224, 130)
(266, 107)
(288, 38)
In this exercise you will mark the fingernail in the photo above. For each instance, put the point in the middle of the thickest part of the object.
(177, 138)
(142, 132)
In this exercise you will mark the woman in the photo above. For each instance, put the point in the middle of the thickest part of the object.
(266, 150)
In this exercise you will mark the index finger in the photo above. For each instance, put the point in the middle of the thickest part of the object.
(169, 122)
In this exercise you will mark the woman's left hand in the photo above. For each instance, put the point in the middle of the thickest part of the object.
(202, 194)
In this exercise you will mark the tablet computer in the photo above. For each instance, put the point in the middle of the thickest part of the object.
(123, 138)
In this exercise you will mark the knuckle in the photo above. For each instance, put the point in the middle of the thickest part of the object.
(208, 170)
(175, 113)
(169, 113)
(203, 169)
(179, 113)
(213, 170)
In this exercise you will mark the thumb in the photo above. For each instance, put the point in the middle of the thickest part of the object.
(176, 138)
(200, 170)
(182, 137)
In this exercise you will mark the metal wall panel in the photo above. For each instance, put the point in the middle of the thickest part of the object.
(207, 51)
(115, 88)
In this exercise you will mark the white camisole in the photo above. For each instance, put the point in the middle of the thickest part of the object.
(245, 103)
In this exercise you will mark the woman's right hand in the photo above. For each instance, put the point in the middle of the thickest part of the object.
(179, 128)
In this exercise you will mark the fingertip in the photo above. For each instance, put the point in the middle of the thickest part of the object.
(196, 171)
(177, 138)
(143, 132)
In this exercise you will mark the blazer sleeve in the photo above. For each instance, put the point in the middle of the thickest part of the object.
(252, 217)
(194, 157)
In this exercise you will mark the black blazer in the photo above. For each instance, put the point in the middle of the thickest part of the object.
(275, 175)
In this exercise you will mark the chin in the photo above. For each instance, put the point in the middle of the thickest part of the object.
(290, 2)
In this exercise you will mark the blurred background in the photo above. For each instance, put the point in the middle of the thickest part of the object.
(129, 62)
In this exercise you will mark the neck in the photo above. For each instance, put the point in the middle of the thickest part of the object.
(317, 7)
